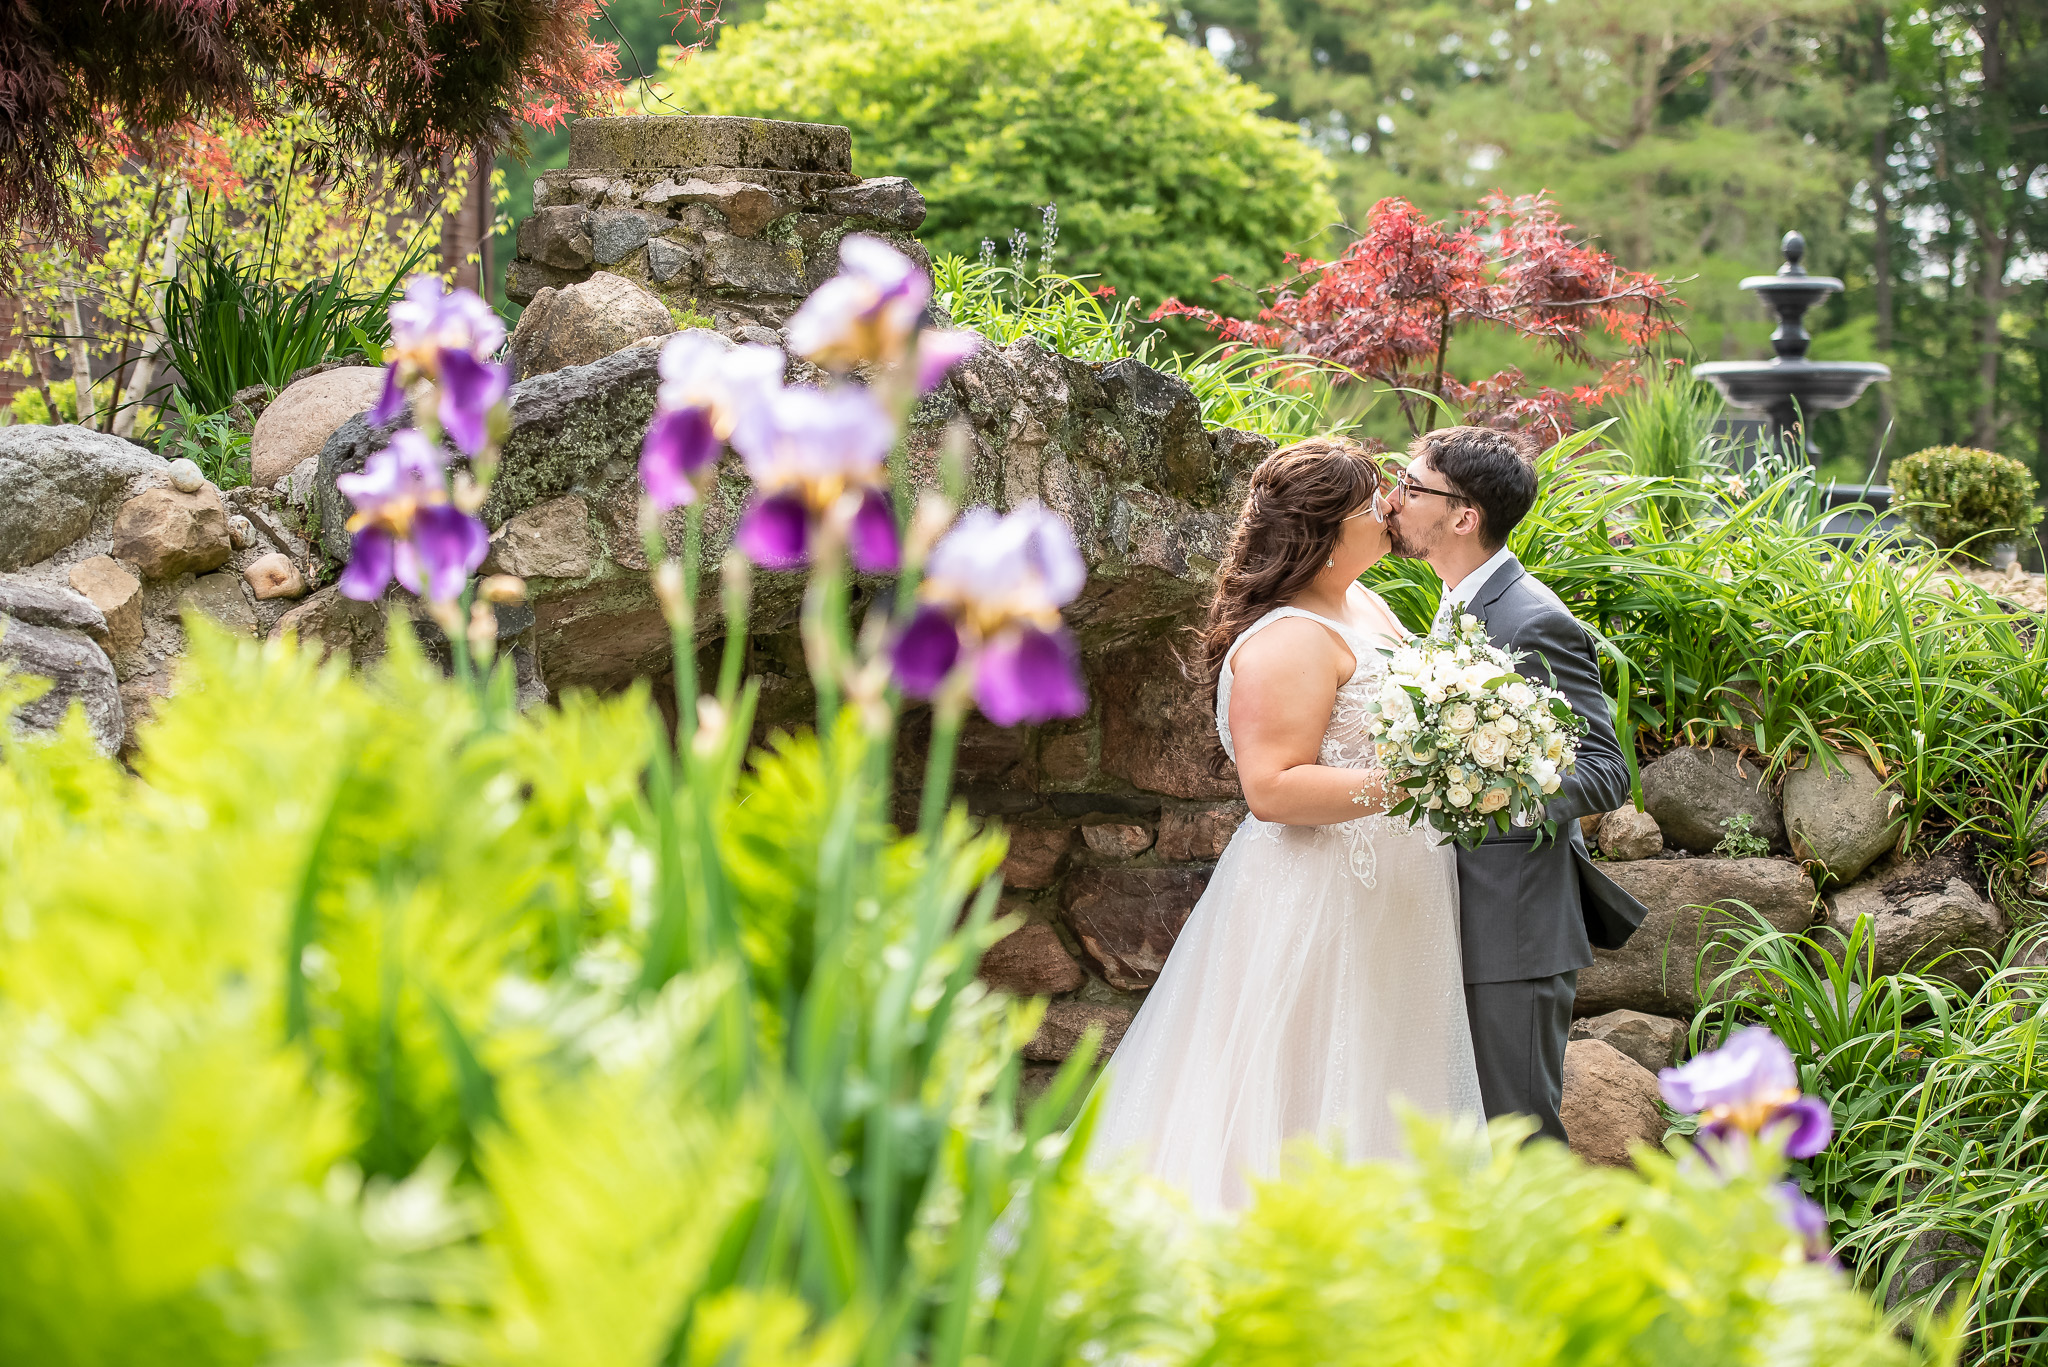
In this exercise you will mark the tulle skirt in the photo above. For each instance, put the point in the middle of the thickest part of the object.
(1316, 981)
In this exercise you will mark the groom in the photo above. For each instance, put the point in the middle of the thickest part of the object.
(1528, 917)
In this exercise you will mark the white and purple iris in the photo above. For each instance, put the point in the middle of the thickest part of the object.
(405, 527)
(991, 597)
(448, 339)
(872, 312)
(815, 454)
(708, 387)
(1750, 1087)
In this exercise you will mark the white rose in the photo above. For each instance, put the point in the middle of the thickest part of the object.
(1519, 696)
(1406, 661)
(1418, 753)
(1551, 785)
(1467, 622)
(1459, 718)
(1506, 726)
(1523, 735)
(1458, 798)
(1476, 677)
(1493, 799)
(1490, 748)
(1553, 748)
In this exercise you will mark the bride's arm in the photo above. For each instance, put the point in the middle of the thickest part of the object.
(1284, 683)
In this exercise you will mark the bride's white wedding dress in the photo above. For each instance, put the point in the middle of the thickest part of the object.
(1317, 980)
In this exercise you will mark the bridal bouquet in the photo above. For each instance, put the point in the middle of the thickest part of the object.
(1471, 741)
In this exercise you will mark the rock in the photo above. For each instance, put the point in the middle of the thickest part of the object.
(220, 597)
(558, 237)
(1127, 919)
(186, 477)
(1920, 914)
(301, 488)
(46, 605)
(891, 201)
(1630, 833)
(1610, 1103)
(1117, 839)
(1653, 1041)
(299, 421)
(585, 322)
(118, 596)
(274, 576)
(747, 208)
(1031, 962)
(745, 265)
(1841, 821)
(1589, 827)
(1167, 448)
(550, 540)
(1066, 759)
(139, 697)
(1036, 853)
(1653, 972)
(54, 480)
(339, 624)
(1159, 729)
(1693, 790)
(164, 533)
(665, 260)
(617, 233)
(241, 532)
(78, 671)
(655, 141)
(1198, 833)
(1059, 1034)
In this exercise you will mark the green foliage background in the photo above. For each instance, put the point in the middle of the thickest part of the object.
(1165, 172)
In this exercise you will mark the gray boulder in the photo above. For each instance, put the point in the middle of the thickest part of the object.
(47, 605)
(1693, 791)
(1919, 917)
(78, 671)
(1689, 900)
(1840, 820)
(1653, 1041)
(1630, 833)
(55, 480)
(585, 322)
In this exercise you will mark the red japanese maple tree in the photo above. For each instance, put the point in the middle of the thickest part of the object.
(1387, 308)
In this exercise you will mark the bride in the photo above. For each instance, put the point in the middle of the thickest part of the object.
(1318, 978)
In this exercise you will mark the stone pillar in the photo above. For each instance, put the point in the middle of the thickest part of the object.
(730, 219)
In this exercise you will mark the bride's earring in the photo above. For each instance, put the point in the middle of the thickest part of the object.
(1331, 563)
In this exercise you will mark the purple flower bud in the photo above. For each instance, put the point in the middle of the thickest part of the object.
(390, 403)
(678, 444)
(1806, 1219)
(1029, 676)
(445, 546)
(369, 565)
(470, 389)
(926, 652)
(867, 312)
(775, 532)
(871, 540)
(938, 352)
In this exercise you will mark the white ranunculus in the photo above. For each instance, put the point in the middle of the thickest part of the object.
(1493, 799)
(1459, 718)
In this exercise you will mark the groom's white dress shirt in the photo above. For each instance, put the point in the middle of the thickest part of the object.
(1458, 595)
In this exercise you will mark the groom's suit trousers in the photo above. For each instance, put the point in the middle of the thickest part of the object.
(1518, 1037)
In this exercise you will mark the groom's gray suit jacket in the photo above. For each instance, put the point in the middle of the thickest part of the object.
(1526, 912)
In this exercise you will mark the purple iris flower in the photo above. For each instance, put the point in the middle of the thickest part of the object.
(1750, 1086)
(405, 528)
(867, 312)
(807, 451)
(938, 351)
(993, 590)
(708, 387)
(470, 389)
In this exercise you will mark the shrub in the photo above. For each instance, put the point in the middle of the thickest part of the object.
(1164, 171)
(1961, 498)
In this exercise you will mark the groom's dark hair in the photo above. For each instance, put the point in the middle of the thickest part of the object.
(1493, 470)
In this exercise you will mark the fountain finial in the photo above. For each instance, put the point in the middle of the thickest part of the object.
(1794, 248)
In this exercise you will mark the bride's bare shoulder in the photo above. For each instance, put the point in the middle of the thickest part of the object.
(1288, 647)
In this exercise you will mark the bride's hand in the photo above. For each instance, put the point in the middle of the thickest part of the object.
(1284, 684)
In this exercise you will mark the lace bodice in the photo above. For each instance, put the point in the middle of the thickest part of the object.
(1345, 743)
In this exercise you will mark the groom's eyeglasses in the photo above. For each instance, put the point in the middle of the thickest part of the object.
(1409, 488)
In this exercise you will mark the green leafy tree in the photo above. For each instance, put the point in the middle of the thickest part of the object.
(1165, 173)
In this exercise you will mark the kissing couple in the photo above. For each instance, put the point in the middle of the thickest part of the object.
(1338, 961)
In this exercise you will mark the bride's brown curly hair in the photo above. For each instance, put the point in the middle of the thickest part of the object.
(1292, 518)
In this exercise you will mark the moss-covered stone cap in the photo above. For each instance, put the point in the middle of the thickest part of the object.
(634, 141)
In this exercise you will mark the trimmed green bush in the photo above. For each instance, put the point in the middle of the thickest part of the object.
(1165, 173)
(1967, 499)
